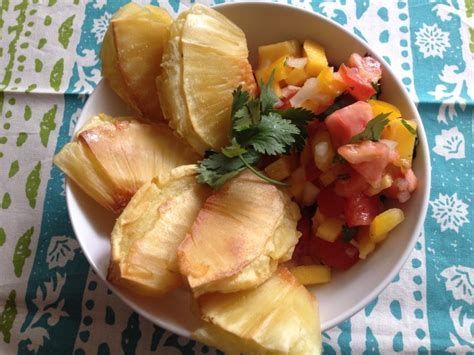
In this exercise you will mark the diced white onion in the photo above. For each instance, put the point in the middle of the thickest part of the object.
(402, 184)
(321, 149)
(403, 196)
(299, 63)
(389, 143)
(307, 92)
(310, 192)
(289, 90)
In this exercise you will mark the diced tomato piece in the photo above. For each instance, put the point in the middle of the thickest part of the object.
(357, 85)
(338, 255)
(345, 123)
(360, 210)
(311, 172)
(369, 68)
(353, 185)
(368, 158)
(331, 205)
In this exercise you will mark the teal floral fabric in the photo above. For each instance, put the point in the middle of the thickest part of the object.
(51, 301)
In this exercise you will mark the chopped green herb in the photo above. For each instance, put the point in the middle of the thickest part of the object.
(341, 102)
(408, 127)
(373, 130)
(348, 233)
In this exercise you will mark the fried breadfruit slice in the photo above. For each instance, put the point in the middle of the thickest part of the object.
(131, 55)
(278, 317)
(150, 229)
(204, 61)
(240, 235)
(111, 158)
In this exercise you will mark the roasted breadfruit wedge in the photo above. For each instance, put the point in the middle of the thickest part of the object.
(204, 61)
(240, 235)
(131, 55)
(150, 229)
(111, 158)
(278, 317)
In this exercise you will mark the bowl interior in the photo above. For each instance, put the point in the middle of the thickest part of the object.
(348, 292)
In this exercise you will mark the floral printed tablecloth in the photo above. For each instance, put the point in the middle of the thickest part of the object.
(51, 302)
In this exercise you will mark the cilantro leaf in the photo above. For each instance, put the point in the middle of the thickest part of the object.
(348, 233)
(216, 169)
(373, 130)
(268, 98)
(240, 98)
(299, 117)
(378, 89)
(273, 135)
(409, 127)
(233, 150)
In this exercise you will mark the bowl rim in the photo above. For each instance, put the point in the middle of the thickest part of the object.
(423, 145)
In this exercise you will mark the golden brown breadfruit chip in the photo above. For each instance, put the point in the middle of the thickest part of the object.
(131, 55)
(111, 158)
(279, 317)
(240, 235)
(204, 61)
(149, 230)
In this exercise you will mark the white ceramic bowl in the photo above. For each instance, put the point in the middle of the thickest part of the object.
(348, 292)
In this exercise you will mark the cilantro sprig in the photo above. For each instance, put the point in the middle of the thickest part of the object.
(373, 130)
(257, 129)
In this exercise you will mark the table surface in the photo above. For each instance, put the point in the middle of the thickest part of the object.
(51, 301)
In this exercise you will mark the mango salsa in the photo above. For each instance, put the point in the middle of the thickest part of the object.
(397, 130)
(280, 70)
(384, 223)
(316, 55)
(268, 54)
(379, 107)
(280, 169)
(312, 274)
(329, 85)
(323, 150)
(297, 77)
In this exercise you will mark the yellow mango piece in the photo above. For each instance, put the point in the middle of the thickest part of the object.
(396, 131)
(312, 274)
(316, 55)
(280, 169)
(280, 70)
(323, 151)
(310, 105)
(271, 52)
(384, 223)
(318, 217)
(365, 245)
(379, 106)
(297, 77)
(297, 182)
(329, 229)
(329, 85)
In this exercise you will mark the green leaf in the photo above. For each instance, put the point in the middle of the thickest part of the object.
(65, 31)
(8, 315)
(373, 130)
(348, 233)
(216, 169)
(233, 150)
(240, 98)
(56, 75)
(268, 98)
(300, 117)
(22, 252)
(273, 135)
(408, 127)
(33, 181)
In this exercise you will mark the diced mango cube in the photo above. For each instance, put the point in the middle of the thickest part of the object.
(323, 151)
(365, 245)
(280, 70)
(280, 169)
(384, 223)
(271, 52)
(379, 106)
(329, 85)
(329, 229)
(297, 77)
(310, 105)
(397, 130)
(316, 55)
(311, 274)
(297, 181)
